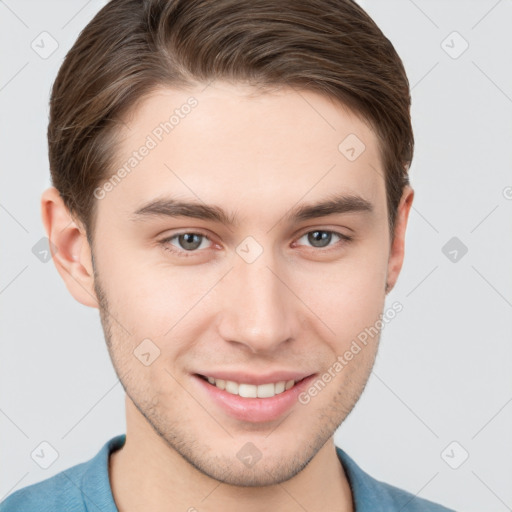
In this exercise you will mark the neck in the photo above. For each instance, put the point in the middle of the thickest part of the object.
(148, 474)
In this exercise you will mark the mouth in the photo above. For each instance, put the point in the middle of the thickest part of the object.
(245, 390)
(263, 400)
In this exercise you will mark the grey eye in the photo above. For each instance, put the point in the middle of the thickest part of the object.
(189, 241)
(319, 238)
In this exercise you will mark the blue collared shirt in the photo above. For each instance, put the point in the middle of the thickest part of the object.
(86, 488)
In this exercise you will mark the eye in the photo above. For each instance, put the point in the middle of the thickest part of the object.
(187, 243)
(181, 243)
(320, 238)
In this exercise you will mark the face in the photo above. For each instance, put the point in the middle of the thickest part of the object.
(246, 245)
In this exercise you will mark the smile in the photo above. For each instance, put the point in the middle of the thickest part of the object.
(250, 390)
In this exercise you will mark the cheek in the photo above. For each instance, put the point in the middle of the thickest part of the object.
(150, 295)
(348, 295)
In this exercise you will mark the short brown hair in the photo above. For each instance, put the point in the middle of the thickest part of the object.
(133, 46)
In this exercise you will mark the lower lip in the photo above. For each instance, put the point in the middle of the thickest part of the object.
(254, 409)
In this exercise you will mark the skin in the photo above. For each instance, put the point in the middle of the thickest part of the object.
(298, 306)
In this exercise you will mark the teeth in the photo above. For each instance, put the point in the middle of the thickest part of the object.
(265, 390)
(250, 390)
(280, 386)
(232, 387)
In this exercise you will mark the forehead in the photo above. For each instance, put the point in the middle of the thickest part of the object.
(258, 151)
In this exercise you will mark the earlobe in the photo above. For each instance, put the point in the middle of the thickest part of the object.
(72, 256)
(397, 252)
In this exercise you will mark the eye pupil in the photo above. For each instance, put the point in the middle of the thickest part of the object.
(319, 238)
(190, 241)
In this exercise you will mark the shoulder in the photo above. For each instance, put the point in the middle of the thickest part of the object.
(60, 492)
(373, 495)
(70, 490)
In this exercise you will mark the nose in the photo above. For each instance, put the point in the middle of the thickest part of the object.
(257, 308)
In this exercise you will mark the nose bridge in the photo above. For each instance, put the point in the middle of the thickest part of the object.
(258, 309)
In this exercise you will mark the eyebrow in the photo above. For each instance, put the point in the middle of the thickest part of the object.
(169, 207)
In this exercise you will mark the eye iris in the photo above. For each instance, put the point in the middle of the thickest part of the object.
(190, 240)
(319, 238)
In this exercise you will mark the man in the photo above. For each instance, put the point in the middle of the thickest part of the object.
(231, 191)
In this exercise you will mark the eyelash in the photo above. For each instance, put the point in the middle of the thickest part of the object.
(187, 254)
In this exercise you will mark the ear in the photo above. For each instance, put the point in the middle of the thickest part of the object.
(70, 248)
(396, 255)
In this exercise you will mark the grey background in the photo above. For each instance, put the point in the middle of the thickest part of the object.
(443, 373)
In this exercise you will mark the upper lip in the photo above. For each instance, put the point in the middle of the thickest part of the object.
(252, 378)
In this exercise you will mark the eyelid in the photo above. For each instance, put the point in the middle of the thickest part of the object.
(191, 231)
(344, 239)
(311, 229)
(165, 242)
(335, 230)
